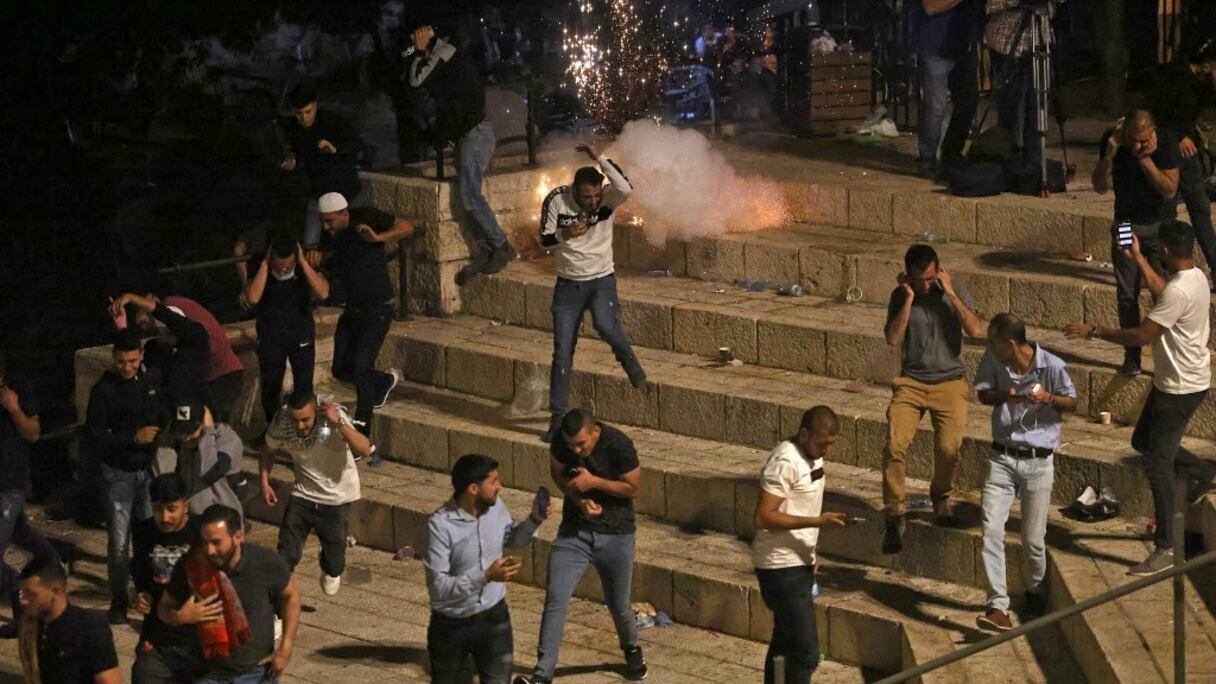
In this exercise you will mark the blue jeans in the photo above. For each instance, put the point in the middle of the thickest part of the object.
(257, 676)
(473, 154)
(127, 502)
(15, 529)
(1028, 479)
(612, 555)
(487, 637)
(788, 593)
(947, 82)
(570, 299)
(1015, 103)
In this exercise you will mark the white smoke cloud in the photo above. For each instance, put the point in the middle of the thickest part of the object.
(683, 189)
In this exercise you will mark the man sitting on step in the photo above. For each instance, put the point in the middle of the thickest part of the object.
(1177, 328)
(576, 223)
(929, 317)
(1028, 389)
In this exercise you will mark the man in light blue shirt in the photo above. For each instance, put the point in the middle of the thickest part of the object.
(1028, 389)
(466, 573)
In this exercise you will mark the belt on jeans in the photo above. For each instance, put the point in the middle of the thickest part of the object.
(483, 615)
(1022, 452)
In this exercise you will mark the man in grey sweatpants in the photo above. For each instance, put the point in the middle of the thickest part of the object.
(596, 467)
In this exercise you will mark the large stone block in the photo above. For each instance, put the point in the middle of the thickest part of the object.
(371, 522)
(483, 440)
(1013, 222)
(409, 528)
(989, 291)
(1126, 477)
(918, 213)
(647, 256)
(1048, 304)
(692, 412)
(494, 297)
(652, 495)
(715, 259)
(871, 209)
(531, 465)
(773, 263)
(415, 443)
(876, 276)
(861, 357)
(857, 635)
(703, 328)
(822, 273)
(708, 602)
(538, 305)
(701, 501)
(1097, 236)
(750, 422)
(790, 346)
(1123, 397)
(929, 550)
(443, 241)
(421, 361)
(480, 373)
(817, 203)
(617, 401)
(647, 323)
(432, 287)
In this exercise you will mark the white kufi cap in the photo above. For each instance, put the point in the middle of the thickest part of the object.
(331, 202)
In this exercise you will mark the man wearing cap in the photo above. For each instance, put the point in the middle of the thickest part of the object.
(202, 453)
(324, 146)
(450, 78)
(357, 236)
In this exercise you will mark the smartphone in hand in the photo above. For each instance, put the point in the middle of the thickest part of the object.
(543, 498)
(1123, 233)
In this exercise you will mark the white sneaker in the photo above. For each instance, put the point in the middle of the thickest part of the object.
(886, 128)
(330, 585)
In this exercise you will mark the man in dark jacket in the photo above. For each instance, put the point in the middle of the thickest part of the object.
(122, 424)
(451, 80)
(323, 145)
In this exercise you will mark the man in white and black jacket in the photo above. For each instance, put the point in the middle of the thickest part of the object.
(453, 99)
(576, 225)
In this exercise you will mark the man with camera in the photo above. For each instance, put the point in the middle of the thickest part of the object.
(927, 317)
(1178, 329)
(1028, 389)
(1142, 168)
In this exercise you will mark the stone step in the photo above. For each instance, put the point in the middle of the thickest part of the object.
(823, 336)
(871, 618)
(747, 405)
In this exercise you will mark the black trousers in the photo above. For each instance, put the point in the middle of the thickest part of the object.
(787, 593)
(1158, 435)
(357, 343)
(1128, 279)
(330, 524)
(486, 637)
(222, 394)
(273, 356)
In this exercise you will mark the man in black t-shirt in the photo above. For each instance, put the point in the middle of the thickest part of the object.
(596, 467)
(1142, 168)
(74, 645)
(357, 236)
(164, 655)
(19, 428)
(261, 580)
(283, 291)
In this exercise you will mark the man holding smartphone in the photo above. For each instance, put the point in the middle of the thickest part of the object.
(1029, 390)
(596, 467)
(466, 573)
(928, 317)
(788, 517)
(1143, 170)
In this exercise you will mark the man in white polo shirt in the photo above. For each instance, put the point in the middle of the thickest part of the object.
(320, 441)
(1177, 327)
(788, 518)
(576, 223)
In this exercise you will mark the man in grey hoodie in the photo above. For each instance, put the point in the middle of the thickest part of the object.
(203, 453)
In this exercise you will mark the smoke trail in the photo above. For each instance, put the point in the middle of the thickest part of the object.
(683, 189)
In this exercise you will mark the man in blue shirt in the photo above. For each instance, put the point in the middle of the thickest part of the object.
(943, 34)
(466, 573)
(1028, 389)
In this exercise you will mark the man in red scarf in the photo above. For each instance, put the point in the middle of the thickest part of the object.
(229, 589)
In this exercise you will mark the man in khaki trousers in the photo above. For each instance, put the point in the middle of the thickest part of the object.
(929, 317)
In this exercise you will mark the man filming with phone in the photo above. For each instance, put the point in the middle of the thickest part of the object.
(788, 516)
(1029, 390)
(928, 316)
(466, 573)
(1143, 169)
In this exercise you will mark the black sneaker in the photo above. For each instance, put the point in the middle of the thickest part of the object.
(499, 258)
(637, 376)
(635, 664)
(476, 266)
(893, 536)
(555, 425)
(1035, 605)
(1130, 368)
(531, 679)
(116, 615)
(943, 513)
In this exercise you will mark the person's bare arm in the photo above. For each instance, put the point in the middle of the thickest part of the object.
(316, 282)
(29, 428)
(257, 287)
(933, 7)
(557, 471)
(1140, 336)
(358, 442)
(973, 325)
(401, 228)
(1164, 182)
(276, 663)
(110, 676)
(897, 326)
(768, 516)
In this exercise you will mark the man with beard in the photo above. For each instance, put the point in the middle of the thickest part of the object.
(326, 480)
(164, 655)
(466, 573)
(65, 644)
(229, 589)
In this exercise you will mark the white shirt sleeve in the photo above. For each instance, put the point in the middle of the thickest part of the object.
(778, 476)
(619, 188)
(1169, 307)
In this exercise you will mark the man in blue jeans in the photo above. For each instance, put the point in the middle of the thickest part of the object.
(1028, 389)
(943, 35)
(788, 516)
(576, 224)
(122, 424)
(596, 468)
(448, 80)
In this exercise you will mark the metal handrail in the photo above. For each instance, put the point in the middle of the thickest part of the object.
(1177, 571)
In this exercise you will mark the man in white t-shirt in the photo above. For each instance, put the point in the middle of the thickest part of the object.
(576, 224)
(1177, 327)
(320, 441)
(788, 517)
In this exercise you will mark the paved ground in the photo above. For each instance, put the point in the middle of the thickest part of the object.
(375, 628)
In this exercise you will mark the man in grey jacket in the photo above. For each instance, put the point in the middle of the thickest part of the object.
(203, 453)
